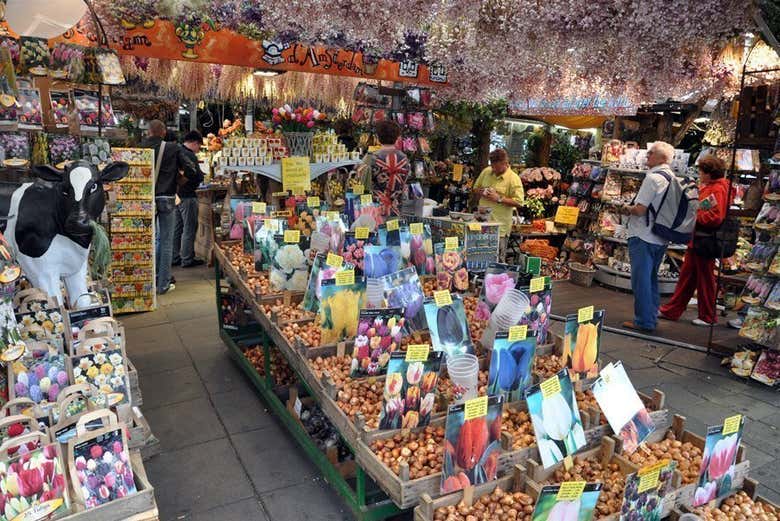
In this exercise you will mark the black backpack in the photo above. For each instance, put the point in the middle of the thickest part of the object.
(720, 243)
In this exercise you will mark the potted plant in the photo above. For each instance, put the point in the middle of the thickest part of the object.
(297, 125)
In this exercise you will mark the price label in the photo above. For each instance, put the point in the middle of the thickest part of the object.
(450, 243)
(570, 490)
(284, 193)
(416, 228)
(366, 199)
(292, 236)
(417, 352)
(475, 227)
(457, 172)
(392, 225)
(585, 314)
(649, 480)
(567, 215)
(282, 213)
(551, 387)
(361, 232)
(475, 408)
(358, 189)
(568, 462)
(533, 265)
(334, 260)
(298, 405)
(537, 284)
(518, 333)
(332, 216)
(442, 298)
(258, 208)
(732, 424)
(345, 278)
(313, 202)
(374, 148)
(296, 173)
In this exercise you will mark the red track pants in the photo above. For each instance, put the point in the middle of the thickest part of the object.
(696, 274)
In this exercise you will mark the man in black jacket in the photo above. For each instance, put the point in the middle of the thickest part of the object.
(187, 209)
(169, 160)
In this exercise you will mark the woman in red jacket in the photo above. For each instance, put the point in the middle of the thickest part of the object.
(698, 273)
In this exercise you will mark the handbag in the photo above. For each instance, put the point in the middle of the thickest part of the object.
(720, 243)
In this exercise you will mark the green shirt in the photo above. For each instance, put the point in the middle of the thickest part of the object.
(507, 185)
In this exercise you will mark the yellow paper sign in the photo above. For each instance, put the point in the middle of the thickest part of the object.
(648, 481)
(537, 284)
(296, 173)
(568, 462)
(475, 408)
(358, 189)
(374, 148)
(517, 333)
(392, 225)
(332, 216)
(281, 194)
(334, 260)
(475, 227)
(313, 202)
(570, 490)
(416, 228)
(366, 199)
(457, 172)
(258, 208)
(731, 424)
(585, 314)
(282, 213)
(417, 352)
(551, 387)
(655, 467)
(442, 298)
(345, 278)
(361, 232)
(450, 243)
(567, 215)
(292, 236)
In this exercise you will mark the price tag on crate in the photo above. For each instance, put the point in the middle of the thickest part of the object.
(442, 298)
(517, 333)
(585, 314)
(731, 424)
(392, 225)
(416, 228)
(292, 236)
(475, 408)
(258, 208)
(417, 352)
(570, 490)
(361, 232)
(450, 243)
(366, 199)
(313, 201)
(345, 278)
(550, 387)
(334, 260)
(475, 227)
(649, 476)
(536, 284)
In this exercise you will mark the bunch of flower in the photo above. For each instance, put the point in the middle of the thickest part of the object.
(63, 147)
(299, 119)
(35, 479)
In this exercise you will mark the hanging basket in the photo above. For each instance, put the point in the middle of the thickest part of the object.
(299, 143)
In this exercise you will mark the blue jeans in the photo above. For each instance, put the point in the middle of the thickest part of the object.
(165, 221)
(185, 230)
(645, 260)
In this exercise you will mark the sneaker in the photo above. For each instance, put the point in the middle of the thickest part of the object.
(170, 287)
(700, 322)
(195, 262)
(736, 323)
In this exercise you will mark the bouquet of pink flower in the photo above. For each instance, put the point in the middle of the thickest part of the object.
(298, 119)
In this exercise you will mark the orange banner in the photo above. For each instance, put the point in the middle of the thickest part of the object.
(162, 39)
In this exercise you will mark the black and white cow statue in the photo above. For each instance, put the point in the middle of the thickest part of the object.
(48, 224)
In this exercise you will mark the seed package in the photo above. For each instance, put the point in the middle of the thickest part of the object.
(403, 289)
(421, 249)
(410, 389)
(320, 271)
(498, 279)
(106, 373)
(720, 456)
(379, 335)
(355, 244)
(289, 269)
(448, 326)
(569, 501)
(511, 365)
(645, 491)
(451, 272)
(340, 307)
(581, 343)
(382, 260)
(40, 379)
(537, 316)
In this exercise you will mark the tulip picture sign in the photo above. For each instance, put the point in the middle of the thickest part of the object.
(720, 456)
(581, 344)
(645, 491)
(556, 418)
(410, 391)
(379, 334)
(511, 365)
(448, 326)
(472, 443)
(499, 278)
(569, 501)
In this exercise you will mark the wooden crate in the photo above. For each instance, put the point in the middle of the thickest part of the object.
(749, 486)
(654, 404)
(136, 397)
(139, 435)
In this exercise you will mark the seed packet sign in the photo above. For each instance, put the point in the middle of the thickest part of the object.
(645, 490)
(448, 326)
(622, 406)
(296, 174)
(410, 391)
(537, 316)
(101, 466)
(581, 342)
(106, 373)
(720, 456)
(499, 278)
(556, 418)
(511, 363)
(568, 501)
(403, 289)
(379, 334)
(472, 443)
(339, 309)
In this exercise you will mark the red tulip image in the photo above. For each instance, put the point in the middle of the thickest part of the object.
(30, 482)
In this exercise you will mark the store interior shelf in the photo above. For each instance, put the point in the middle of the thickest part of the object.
(274, 171)
(627, 171)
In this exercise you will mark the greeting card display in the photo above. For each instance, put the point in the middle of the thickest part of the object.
(537, 316)
(570, 501)
(379, 334)
(716, 474)
(448, 327)
(320, 271)
(498, 279)
(410, 390)
(581, 343)
(645, 491)
(106, 373)
(339, 309)
(472, 443)
(622, 406)
(511, 366)
(403, 290)
(556, 418)
(451, 272)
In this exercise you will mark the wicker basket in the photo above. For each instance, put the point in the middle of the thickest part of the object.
(581, 275)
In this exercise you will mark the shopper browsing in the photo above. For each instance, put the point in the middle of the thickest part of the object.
(499, 187)
(384, 172)
(187, 209)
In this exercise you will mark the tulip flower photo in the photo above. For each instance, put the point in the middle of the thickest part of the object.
(498, 279)
(106, 373)
(647, 505)
(537, 316)
(339, 309)
(448, 327)
(556, 420)
(379, 334)
(717, 465)
(103, 469)
(421, 252)
(451, 272)
(581, 342)
(511, 366)
(548, 508)
(354, 249)
(471, 447)
(410, 392)
(403, 289)
(35, 480)
(320, 271)
(40, 379)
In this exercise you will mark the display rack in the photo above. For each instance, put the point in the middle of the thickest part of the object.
(274, 171)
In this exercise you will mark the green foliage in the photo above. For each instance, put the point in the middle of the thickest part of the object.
(534, 207)
(533, 150)
(563, 155)
(470, 114)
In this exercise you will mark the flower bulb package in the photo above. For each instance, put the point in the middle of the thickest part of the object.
(421, 249)
(556, 418)
(381, 260)
(537, 316)
(647, 505)
(767, 368)
(39, 379)
(410, 391)
(335, 230)
(30, 112)
(340, 308)
(354, 249)
(451, 272)
(756, 289)
(449, 327)
(403, 289)
(320, 271)
(472, 443)
(511, 366)
(265, 243)
(106, 373)
(581, 344)
(44, 324)
(11, 344)
(498, 279)
(289, 269)
(720, 456)
(551, 507)
(621, 405)
(379, 335)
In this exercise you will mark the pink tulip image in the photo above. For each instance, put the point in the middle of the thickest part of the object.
(705, 494)
(723, 456)
(496, 285)
(565, 511)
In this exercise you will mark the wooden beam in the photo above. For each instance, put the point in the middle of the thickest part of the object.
(688, 121)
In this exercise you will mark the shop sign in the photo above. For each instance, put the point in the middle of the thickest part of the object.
(408, 69)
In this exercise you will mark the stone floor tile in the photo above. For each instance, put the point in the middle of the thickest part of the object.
(765, 437)
(748, 406)
(198, 308)
(678, 397)
(244, 510)
(134, 321)
(220, 374)
(160, 358)
(307, 501)
(769, 494)
(241, 411)
(186, 423)
(170, 387)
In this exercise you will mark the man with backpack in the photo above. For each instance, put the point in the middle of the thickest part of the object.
(664, 211)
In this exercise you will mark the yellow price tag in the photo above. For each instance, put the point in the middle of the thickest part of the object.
(374, 148)
(457, 172)
(567, 215)
(585, 314)
(334, 260)
(258, 208)
(392, 225)
(416, 228)
(537, 284)
(550, 387)
(648, 481)
(361, 232)
(475, 408)
(731, 424)
(442, 298)
(568, 462)
(313, 202)
(332, 216)
(417, 352)
(570, 490)
(296, 173)
(345, 278)
(517, 333)
(366, 199)
(655, 467)
(450, 243)
(292, 236)
(475, 227)
(358, 189)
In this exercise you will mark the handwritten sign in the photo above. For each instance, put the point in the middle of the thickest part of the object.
(361, 232)
(392, 225)
(296, 173)
(550, 387)
(475, 408)
(345, 278)
(518, 333)
(585, 314)
(567, 215)
(732, 424)
(292, 236)
(417, 352)
(442, 298)
(570, 490)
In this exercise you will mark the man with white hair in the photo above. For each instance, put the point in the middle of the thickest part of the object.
(645, 248)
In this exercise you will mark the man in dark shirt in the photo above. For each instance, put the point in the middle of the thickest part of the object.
(187, 209)
(169, 160)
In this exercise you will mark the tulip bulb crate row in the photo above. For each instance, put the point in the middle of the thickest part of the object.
(744, 504)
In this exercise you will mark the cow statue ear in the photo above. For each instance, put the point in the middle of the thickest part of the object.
(47, 173)
(114, 171)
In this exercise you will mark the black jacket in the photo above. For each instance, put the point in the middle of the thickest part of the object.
(174, 159)
(193, 182)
